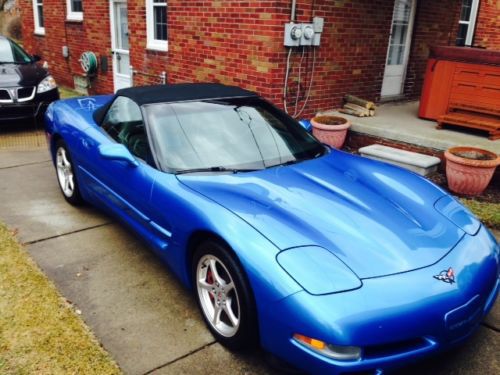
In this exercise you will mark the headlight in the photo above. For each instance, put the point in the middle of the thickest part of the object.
(338, 352)
(48, 83)
(457, 214)
(317, 270)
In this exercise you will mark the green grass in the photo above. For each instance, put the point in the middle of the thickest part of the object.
(67, 93)
(488, 213)
(40, 333)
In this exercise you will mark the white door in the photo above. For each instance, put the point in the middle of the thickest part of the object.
(119, 44)
(399, 47)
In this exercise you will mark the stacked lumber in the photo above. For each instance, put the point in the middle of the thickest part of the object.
(358, 107)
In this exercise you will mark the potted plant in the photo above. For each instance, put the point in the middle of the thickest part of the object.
(469, 170)
(331, 130)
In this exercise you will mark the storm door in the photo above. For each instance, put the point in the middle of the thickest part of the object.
(119, 44)
(399, 48)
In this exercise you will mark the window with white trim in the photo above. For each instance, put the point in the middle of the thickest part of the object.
(467, 22)
(38, 17)
(74, 10)
(156, 20)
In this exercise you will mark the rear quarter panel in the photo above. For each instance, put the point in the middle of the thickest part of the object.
(67, 118)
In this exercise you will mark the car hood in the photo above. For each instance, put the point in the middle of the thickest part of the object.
(13, 75)
(378, 219)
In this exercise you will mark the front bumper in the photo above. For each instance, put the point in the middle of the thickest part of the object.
(394, 319)
(34, 108)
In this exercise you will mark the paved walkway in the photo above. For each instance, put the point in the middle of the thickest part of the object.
(139, 312)
(399, 121)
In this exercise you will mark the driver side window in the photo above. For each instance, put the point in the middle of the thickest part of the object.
(123, 122)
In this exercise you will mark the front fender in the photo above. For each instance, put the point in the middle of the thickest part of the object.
(188, 212)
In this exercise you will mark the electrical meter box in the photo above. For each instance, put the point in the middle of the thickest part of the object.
(303, 34)
(293, 33)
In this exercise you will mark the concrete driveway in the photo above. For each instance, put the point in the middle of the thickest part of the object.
(136, 308)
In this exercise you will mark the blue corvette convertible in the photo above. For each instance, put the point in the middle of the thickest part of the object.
(329, 261)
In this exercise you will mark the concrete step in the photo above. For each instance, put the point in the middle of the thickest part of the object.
(419, 163)
(399, 122)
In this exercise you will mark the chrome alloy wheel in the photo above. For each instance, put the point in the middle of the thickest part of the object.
(65, 174)
(218, 295)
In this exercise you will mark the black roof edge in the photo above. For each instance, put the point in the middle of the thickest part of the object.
(177, 92)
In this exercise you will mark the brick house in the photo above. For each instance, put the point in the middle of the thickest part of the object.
(241, 42)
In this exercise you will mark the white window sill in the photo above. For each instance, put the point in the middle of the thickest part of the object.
(39, 32)
(78, 17)
(158, 45)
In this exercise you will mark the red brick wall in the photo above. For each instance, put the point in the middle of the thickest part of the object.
(233, 42)
(240, 42)
(436, 23)
(351, 58)
(92, 34)
(146, 62)
(487, 33)
(220, 41)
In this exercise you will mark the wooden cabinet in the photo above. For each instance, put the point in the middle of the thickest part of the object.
(468, 76)
(476, 85)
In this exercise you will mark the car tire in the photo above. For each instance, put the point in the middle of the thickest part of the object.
(224, 296)
(65, 174)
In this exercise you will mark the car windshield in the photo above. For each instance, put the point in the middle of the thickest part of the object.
(227, 135)
(11, 53)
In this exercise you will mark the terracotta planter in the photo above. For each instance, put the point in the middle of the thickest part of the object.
(469, 170)
(331, 130)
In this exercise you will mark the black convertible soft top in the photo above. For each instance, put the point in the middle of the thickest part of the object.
(174, 93)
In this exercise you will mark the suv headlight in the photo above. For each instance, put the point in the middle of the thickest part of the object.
(48, 83)
(317, 270)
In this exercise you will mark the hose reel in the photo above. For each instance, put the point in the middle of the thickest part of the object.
(88, 62)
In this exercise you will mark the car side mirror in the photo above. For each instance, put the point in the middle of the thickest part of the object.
(35, 58)
(118, 152)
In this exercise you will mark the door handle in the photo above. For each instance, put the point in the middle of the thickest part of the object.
(85, 144)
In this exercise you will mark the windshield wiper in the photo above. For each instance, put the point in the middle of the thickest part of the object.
(289, 162)
(14, 62)
(298, 160)
(217, 169)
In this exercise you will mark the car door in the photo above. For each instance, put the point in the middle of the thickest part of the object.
(123, 186)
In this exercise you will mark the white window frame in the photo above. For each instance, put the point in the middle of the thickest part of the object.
(39, 30)
(152, 43)
(73, 16)
(471, 23)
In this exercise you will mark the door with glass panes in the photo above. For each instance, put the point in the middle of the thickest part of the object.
(399, 48)
(119, 44)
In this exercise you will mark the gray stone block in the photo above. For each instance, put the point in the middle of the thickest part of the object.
(419, 163)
